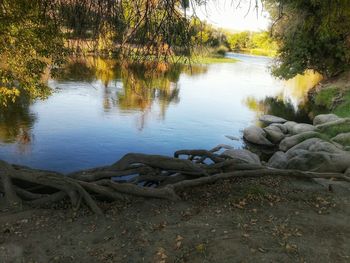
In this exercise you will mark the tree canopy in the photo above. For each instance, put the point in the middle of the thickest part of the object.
(311, 34)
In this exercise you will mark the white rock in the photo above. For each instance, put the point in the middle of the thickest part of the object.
(269, 119)
(324, 118)
(289, 126)
(303, 127)
(274, 134)
(256, 135)
(291, 141)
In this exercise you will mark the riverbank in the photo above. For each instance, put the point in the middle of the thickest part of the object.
(236, 220)
(333, 95)
(257, 52)
(191, 208)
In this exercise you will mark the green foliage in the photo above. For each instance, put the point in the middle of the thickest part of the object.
(331, 129)
(203, 34)
(29, 41)
(33, 35)
(222, 50)
(325, 97)
(343, 109)
(312, 34)
(257, 43)
(239, 41)
(334, 100)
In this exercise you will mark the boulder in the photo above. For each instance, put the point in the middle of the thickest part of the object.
(256, 135)
(320, 162)
(302, 127)
(233, 138)
(242, 156)
(278, 161)
(324, 118)
(289, 126)
(334, 128)
(274, 134)
(291, 141)
(317, 155)
(342, 138)
(347, 172)
(315, 144)
(269, 119)
(282, 127)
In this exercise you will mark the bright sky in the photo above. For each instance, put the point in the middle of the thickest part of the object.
(226, 14)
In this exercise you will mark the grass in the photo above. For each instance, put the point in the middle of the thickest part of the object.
(213, 60)
(335, 95)
(259, 52)
(326, 98)
(206, 59)
(343, 109)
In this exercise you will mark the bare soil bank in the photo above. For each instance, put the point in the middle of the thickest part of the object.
(240, 220)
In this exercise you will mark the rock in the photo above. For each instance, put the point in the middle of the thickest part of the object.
(316, 144)
(282, 127)
(347, 172)
(317, 155)
(320, 162)
(278, 161)
(334, 128)
(233, 138)
(274, 134)
(324, 118)
(269, 119)
(256, 135)
(291, 141)
(342, 138)
(242, 156)
(302, 127)
(325, 146)
(289, 126)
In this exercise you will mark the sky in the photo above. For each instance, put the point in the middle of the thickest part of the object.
(226, 14)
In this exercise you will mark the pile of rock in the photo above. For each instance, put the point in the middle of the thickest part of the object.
(322, 147)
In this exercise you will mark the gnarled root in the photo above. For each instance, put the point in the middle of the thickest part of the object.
(149, 176)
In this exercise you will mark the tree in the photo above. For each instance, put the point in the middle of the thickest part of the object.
(33, 35)
(29, 41)
(312, 34)
(239, 41)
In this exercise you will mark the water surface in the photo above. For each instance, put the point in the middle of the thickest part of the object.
(100, 111)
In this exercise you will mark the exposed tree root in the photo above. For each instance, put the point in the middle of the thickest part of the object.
(149, 176)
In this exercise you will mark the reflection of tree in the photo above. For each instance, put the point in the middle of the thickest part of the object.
(76, 70)
(16, 122)
(293, 104)
(143, 84)
(131, 86)
(278, 107)
(298, 87)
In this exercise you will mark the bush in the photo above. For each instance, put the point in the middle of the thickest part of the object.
(222, 50)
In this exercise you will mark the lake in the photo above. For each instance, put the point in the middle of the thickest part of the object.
(100, 111)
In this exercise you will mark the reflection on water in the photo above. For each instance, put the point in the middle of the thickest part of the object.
(16, 125)
(291, 102)
(130, 87)
(297, 88)
(101, 110)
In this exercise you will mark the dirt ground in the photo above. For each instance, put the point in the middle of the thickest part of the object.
(245, 220)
